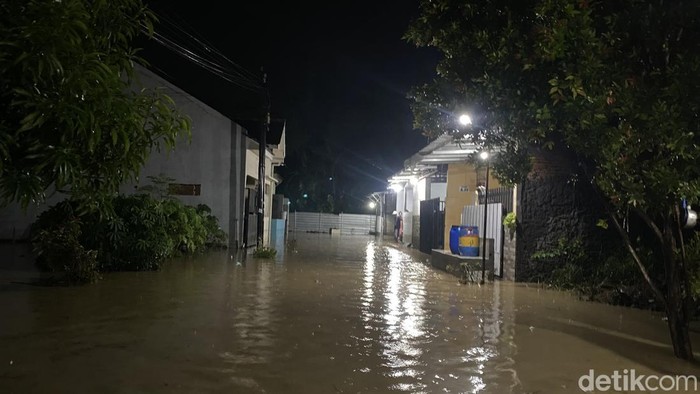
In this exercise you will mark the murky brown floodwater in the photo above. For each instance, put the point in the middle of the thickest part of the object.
(333, 315)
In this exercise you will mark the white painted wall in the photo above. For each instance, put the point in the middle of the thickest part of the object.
(205, 160)
(15, 222)
(438, 190)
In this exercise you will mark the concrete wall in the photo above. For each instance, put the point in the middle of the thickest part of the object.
(15, 222)
(213, 159)
(438, 190)
(205, 160)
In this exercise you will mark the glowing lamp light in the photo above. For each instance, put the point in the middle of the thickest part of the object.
(465, 120)
(372, 204)
(484, 155)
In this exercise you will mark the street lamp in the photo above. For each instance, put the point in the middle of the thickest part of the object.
(485, 157)
(372, 204)
(465, 120)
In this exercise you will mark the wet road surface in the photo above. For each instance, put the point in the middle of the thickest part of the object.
(329, 315)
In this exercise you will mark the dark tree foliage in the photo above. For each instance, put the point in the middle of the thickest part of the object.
(70, 119)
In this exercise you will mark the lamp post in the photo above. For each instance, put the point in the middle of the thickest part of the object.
(485, 157)
(466, 120)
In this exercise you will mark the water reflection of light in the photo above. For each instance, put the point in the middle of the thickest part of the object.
(368, 281)
(253, 323)
(490, 332)
(404, 316)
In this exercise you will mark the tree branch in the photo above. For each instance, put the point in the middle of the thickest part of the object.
(636, 257)
(650, 223)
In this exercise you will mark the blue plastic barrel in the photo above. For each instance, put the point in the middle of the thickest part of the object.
(468, 241)
(454, 239)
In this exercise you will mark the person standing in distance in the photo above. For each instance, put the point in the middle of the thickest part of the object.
(398, 227)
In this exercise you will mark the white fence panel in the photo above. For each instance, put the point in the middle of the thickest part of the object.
(346, 223)
(473, 215)
(357, 224)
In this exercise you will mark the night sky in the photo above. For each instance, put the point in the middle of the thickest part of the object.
(338, 72)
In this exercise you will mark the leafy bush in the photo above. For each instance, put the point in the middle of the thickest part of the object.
(264, 252)
(138, 237)
(614, 279)
(141, 234)
(215, 235)
(509, 221)
(58, 249)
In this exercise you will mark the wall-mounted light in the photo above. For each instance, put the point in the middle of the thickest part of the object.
(396, 187)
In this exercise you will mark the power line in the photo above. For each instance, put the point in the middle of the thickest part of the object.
(234, 73)
(208, 47)
(213, 68)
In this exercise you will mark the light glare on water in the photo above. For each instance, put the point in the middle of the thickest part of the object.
(329, 314)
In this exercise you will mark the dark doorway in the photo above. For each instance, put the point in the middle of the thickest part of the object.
(432, 225)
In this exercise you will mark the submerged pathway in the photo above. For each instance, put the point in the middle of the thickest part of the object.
(330, 314)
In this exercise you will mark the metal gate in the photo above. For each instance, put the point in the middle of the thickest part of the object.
(473, 215)
(344, 223)
(432, 225)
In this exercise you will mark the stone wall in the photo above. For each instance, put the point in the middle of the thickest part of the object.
(556, 202)
(509, 246)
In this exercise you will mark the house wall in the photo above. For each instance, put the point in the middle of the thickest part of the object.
(205, 159)
(401, 200)
(251, 171)
(459, 176)
(438, 190)
(15, 222)
(237, 186)
(252, 160)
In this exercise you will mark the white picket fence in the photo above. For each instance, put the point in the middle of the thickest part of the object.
(344, 223)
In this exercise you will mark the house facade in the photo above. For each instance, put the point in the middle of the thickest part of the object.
(551, 206)
(446, 182)
(217, 166)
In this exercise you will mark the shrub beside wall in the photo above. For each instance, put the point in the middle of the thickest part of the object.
(141, 234)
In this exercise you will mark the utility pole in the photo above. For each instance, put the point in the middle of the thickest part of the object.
(261, 164)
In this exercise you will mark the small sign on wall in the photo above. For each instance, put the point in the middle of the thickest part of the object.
(464, 188)
(181, 189)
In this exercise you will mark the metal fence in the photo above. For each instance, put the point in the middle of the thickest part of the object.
(503, 195)
(473, 215)
(344, 223)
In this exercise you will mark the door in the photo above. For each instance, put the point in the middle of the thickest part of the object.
(432, 223)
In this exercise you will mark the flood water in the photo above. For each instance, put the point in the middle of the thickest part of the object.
(328, 315)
